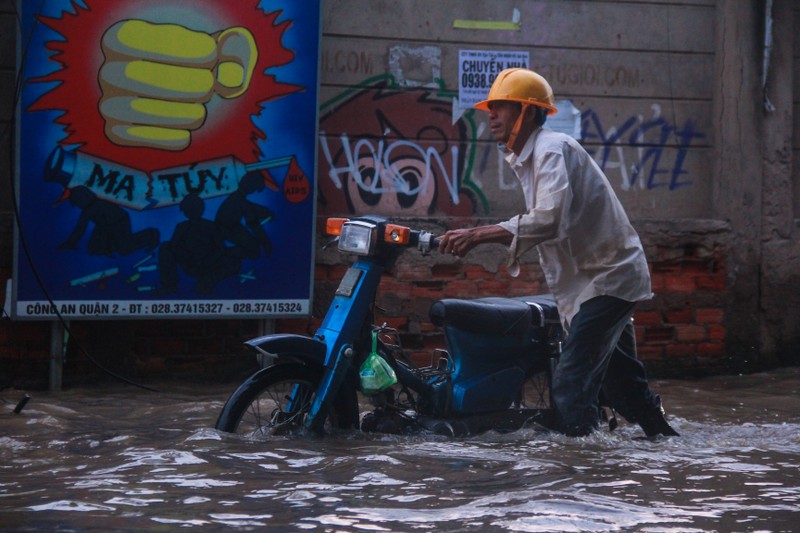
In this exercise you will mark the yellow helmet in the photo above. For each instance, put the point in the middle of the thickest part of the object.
(521, 85)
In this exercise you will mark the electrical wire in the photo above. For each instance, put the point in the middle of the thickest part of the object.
(22, 243)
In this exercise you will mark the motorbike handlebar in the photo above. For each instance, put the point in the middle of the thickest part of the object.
(390, 234)
(427, 242)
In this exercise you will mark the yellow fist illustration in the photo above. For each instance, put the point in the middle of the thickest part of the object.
(157, 78)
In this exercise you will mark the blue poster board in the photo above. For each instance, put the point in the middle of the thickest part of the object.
(166, 158)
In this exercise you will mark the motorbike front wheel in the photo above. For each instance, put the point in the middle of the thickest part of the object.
(276, 401)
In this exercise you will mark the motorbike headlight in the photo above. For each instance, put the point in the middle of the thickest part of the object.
(358, 237)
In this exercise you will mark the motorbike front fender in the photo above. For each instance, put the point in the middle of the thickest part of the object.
(289, 346)
(337, 388)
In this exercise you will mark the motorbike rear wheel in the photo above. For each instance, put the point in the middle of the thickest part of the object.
(276, 401)
(535, 393)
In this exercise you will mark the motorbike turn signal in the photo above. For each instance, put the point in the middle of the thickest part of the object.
(397, 234)
(333, 226)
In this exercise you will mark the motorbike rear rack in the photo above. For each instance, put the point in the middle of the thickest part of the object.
(440, 366)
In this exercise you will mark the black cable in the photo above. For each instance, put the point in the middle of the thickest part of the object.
(22, 243)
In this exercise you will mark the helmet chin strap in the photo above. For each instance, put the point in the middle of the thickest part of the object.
(512, 138)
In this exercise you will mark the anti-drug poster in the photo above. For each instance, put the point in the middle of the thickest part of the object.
(166, 158)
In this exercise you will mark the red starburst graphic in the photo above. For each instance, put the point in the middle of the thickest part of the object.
(228, 129)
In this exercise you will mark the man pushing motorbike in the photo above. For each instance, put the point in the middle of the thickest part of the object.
(591, 256)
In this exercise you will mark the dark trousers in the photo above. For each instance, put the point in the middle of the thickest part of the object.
(600, 355)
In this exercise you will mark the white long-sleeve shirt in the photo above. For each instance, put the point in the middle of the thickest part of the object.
(587, 246)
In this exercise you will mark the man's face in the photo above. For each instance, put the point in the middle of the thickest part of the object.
(502, 117)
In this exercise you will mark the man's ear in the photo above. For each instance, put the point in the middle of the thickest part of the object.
(540, 116)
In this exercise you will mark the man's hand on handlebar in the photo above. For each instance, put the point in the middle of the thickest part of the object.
(459, 242)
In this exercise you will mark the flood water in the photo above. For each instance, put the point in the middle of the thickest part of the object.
(120, 458)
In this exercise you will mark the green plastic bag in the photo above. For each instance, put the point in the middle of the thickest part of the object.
(376, 374)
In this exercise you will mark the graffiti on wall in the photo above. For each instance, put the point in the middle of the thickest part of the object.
(409, 152)
(388, 151)
(649, 138)
(156, 169)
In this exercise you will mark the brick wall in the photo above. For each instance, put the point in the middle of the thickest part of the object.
(680, 332)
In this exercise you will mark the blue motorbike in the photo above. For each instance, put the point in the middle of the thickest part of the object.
(493, 375)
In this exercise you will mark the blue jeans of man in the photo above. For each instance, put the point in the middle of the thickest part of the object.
(600, 355)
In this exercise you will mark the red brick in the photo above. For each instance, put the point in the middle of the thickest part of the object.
(205, 347)
(336, 272)
(398, 288)
(659, 334)
(426, 291)
(298, 327)
(152, 365)
(413, 273)
(395, 322)
(679, 283)
(477, 272)
(427, 327)
(30, 333)
(453, 270)
(711, 348)
(709, 316)
(321, 272)
(639, 332)
(36, 355)
(421, 358)
(168, 347)
(8, 352)
(658, 282)
(678, 316)
(524, 287)
(433, 342)
(647, 318)
(462, 288)
(712, 282)
(491, 288)
(664, 267)
(650, 353)
(690, 333)
(695, 268)
(716, 332)
(680, 350)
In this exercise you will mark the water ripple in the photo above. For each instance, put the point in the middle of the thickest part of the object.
(93, 460)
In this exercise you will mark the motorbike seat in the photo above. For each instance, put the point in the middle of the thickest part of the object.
(495, 315)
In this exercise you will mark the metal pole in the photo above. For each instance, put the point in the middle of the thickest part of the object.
(266, 326)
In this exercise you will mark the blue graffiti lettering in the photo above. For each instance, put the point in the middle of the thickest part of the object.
(649, 138)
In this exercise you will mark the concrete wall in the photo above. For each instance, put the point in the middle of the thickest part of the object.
(671, 101)
(639, 73)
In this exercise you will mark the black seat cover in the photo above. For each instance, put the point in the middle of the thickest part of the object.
(494, 315)
(499, 316)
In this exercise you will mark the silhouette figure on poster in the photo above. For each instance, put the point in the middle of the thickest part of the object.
(196, 247)
(112, 231)
(247, 239)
